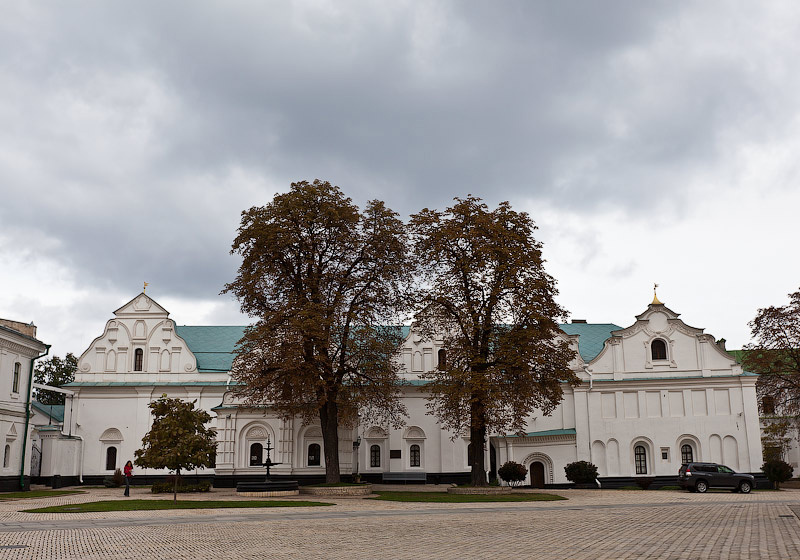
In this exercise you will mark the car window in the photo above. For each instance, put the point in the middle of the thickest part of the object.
(724, 469)
(708, 468)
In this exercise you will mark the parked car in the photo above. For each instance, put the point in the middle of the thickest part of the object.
(699, 477)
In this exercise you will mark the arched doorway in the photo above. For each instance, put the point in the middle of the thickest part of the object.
(537, 474)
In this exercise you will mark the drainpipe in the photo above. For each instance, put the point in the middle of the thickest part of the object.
(28, 417)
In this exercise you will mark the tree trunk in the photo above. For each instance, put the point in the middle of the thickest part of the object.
(175, 486)
(477, 435)
(329, 420)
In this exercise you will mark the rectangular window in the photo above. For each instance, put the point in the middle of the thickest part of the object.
(640, 458)
(414, 453)
(15, 383)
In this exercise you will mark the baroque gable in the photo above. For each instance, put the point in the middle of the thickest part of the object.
(141, 339)
(660, 344)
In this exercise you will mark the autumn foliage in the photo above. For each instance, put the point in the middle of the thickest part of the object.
(320, 277)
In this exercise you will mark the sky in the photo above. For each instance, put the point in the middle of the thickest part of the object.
(652, 142)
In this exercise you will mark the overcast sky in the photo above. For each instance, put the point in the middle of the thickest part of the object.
(650, 141)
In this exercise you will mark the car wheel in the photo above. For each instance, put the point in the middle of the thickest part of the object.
(745, 487)
(701, 486)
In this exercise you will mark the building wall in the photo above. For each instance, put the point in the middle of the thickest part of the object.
(17, 350)
(696, 395)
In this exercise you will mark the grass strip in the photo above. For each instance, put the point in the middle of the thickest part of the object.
(37, 494)
(148, 505)
(445, 498)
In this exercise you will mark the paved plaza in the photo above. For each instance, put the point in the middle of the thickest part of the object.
(590, 524)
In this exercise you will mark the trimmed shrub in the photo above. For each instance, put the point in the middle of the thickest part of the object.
(513, 473)
(581, 472)
(777, 471)
(115, 480)
(168, 486)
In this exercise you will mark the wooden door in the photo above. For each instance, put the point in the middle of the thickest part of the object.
(537, 474)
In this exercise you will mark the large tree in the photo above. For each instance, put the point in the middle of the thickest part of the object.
(178, 438)
(775, 356)
(320, 277)
(486, 292)
(54, 372)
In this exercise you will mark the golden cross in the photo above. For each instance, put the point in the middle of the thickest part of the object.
(654, 288)
(144, 288)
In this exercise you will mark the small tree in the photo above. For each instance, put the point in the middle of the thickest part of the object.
(581, 472)
(54, 372)
(513, 473)
(777, 471)
(178, 438)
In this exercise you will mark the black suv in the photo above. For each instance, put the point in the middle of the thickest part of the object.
(699, 477)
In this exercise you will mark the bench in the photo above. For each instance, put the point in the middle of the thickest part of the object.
(414, 476)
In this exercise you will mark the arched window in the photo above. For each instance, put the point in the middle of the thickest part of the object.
(7, 456)
(442, 359)
(414, 455)
(658, 349)
(138, 359)
(111, 458)
(15, 383)
(314, 455)
(640, 457)
(256, 454)
(375, 456)
(687, 453)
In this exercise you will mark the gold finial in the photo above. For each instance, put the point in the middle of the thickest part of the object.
(655, 297)
(144, 288)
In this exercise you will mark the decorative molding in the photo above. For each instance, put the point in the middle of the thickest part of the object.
(257, 432)
(111, 434)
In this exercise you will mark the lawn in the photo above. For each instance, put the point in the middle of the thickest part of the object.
(37, 494)
(445, 498)
(146, 505)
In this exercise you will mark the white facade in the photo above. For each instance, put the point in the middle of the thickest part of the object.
(18, 349)
(649, 391)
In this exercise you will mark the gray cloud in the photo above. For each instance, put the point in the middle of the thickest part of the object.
(132, 135)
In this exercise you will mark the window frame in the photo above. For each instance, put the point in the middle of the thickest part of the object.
(640, 458)
(411, 457)
(107, 457)
(17, 375)
(375, 452)
(684, 447)
(250, 462)
(138, 359)
(662, 343)
(318, 455)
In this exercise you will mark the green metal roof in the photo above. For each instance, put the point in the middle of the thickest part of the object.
(592, 337)
(54, 411)
(564, 432)
(212, 346)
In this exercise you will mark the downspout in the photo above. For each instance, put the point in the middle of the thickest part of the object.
(28, 417)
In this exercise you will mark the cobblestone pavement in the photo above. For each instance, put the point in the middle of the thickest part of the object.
(591, 524)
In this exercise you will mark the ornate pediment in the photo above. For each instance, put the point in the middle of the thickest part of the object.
(141, 305)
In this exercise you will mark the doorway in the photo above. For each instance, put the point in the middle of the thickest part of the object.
(537, 474)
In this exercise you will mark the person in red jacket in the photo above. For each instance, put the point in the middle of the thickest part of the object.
(128, 472)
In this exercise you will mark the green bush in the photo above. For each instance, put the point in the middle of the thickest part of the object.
(114, 481)
(777, 471)
(513, 473)
(168, 486)
(581, 472)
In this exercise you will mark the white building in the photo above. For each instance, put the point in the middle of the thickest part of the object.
(654, 394)
(19, 348)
